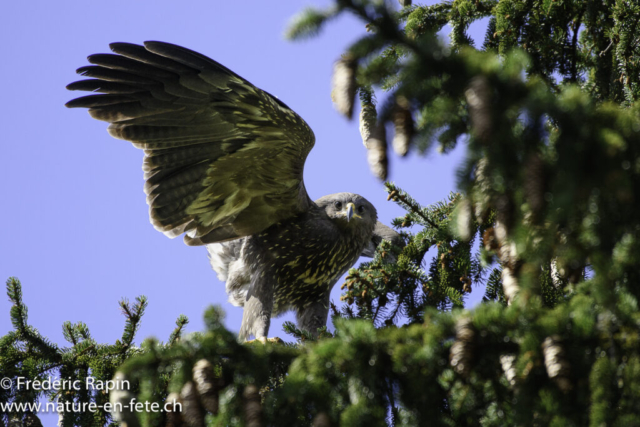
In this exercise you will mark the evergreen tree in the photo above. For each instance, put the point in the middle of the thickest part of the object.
(550, 190)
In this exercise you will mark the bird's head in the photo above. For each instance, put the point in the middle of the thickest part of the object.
(349, 211)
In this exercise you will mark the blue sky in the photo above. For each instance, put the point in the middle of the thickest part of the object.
(76, 229)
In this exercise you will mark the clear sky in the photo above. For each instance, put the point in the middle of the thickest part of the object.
(76, 230)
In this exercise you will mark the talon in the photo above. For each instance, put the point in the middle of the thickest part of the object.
(264, 340)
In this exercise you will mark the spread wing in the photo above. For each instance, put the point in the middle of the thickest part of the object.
(223, 159)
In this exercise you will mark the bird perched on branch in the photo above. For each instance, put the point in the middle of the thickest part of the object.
(223, 164)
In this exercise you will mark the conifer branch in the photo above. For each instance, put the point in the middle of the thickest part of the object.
(404, 200)
(177, 332)
(133, 314)
(309, 22)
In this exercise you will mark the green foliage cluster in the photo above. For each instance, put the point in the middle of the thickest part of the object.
(393, 289)
(546, 219)
(26, 354)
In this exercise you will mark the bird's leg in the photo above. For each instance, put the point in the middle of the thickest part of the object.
(256, 316)
(313, 316)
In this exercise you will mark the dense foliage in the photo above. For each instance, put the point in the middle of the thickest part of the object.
(546, 217)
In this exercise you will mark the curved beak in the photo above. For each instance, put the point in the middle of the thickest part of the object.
(350, 209)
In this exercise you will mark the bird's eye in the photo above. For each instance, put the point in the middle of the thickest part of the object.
(338, 205)
(360, 209)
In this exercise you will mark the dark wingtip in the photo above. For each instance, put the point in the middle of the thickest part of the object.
(71, 104)
(151, 43)
(117, 46)
(83, 70)
(93, 55)
(97, 57)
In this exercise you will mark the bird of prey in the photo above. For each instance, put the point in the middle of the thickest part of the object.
(223, 164)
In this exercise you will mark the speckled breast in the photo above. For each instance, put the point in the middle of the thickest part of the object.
(303, 261)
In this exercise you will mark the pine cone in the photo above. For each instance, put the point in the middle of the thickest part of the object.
(377, 154)
(481, 190)
(174, 418)
(466, 284)
(461, 354)
(508, 363)
(463, 219)
(489, 240)
(556, 277)
(556, 362)
(479, 100)
(207, 385)
(60, 418)
(121, 399)
(375, 139)
(368, 121)
(344, 85)
(252, 406)
(509, 284)
(192, 413)
(321, 420)
(507, 253)
(404, 3)
(403, 126)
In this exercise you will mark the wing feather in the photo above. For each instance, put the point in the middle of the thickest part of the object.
(223, 159)
(380, 233)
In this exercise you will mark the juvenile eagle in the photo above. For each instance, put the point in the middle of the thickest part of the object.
(223, 164)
